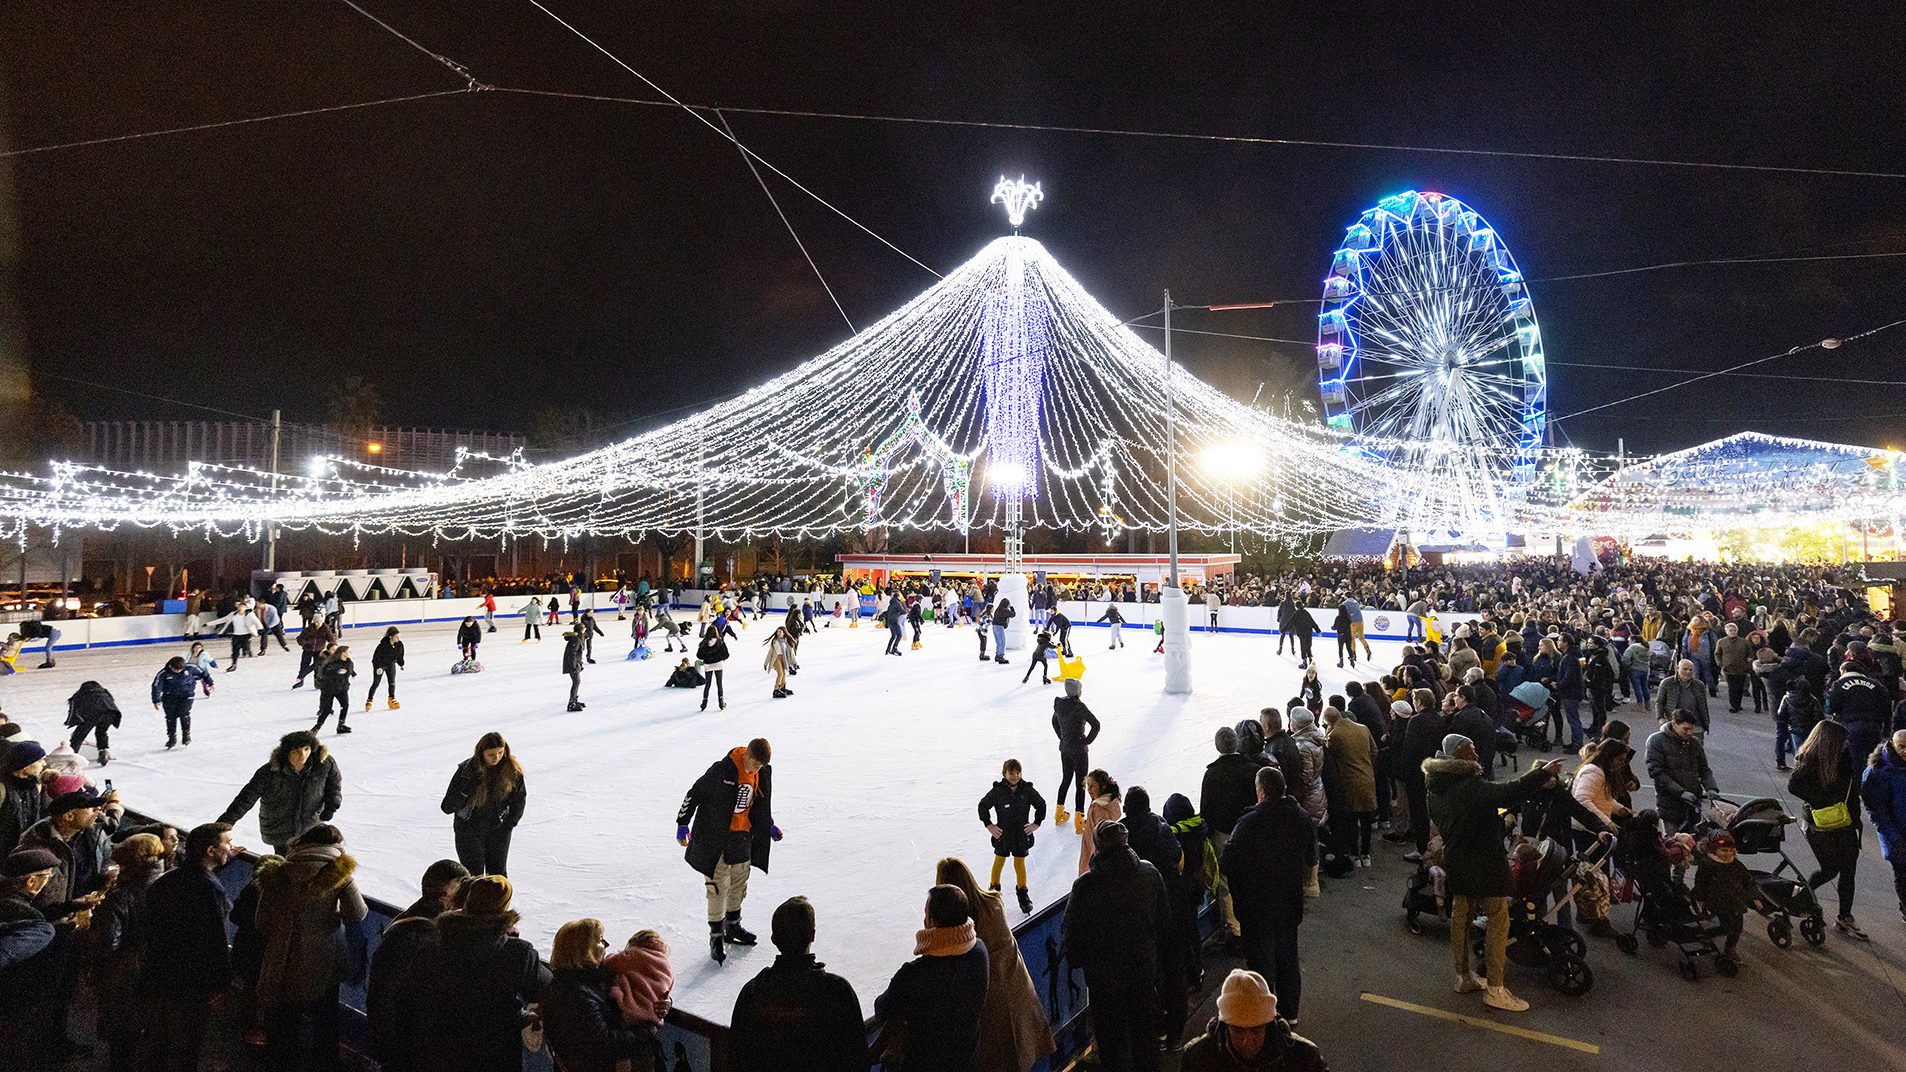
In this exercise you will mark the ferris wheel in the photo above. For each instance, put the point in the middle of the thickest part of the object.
(1428, 352)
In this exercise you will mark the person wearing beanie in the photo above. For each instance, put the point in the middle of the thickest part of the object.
(1466, 809)
(466, 996)
(1247, 1033)
(1011, 811)
(796, 1015)
(1268, 863)
(1229, 789)
(1151, 837)
(1117, 925)
(296, 789)
(726, 825)
(1076, 727)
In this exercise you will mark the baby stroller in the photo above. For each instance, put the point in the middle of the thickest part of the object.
(1530, 704)
(1421, 899)
(1760, 826)
(1660, 661)
(1665, 911)
(1536, 938)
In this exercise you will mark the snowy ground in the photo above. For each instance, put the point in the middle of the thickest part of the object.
(879, 763)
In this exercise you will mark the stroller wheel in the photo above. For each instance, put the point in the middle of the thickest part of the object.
(1559, 939)
(1688, 971)
(1627, 944)
(1780, 932)
(1542, 745)
(1570, 974)
(1727, 966)
(1814, 930)
(1414, 924)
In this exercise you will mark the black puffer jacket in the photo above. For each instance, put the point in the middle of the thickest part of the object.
(1011, 808)
(92, 706)
(1074, 724)
(290, 802)
(1229, 790)
(1118, 916)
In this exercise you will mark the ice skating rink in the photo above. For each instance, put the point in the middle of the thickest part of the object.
(879, 765)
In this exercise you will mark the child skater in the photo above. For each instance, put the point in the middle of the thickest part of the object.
(204, 661)
(1011, 811)
(469, 635)
(1039, 659)
(641, 980)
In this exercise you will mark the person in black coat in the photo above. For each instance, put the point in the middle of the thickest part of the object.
(487, 795)
(1117, 923)
(469, 635)
(1468, 717)
(1422, 739)
(938, 996)
(1267, 863)
(726, 825)
(1011, 811)
(795, 1016)
(573, 655)
(479, 978)
(581, 1020)
(386, 660)
(1076, 727)
(20, 806)
(91, 709)
(1228, 791)
(1151, 838)
(185, 961)
(1302, 626)
(298, 788)
(892, 618)
(587, 628)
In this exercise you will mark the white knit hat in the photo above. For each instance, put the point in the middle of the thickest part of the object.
(1246, 1000)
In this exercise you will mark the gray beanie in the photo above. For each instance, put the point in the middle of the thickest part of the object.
(1453, 743)
(1072, 687)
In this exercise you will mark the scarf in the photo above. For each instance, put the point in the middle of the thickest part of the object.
(944, 941)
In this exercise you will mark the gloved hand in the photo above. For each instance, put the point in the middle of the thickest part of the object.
(681, 835)
(1691, 800)
(774, 832)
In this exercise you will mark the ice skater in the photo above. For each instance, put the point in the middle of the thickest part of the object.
(982, 625)
(1116, 620)
(532, 612)
(486, 795)
(244, 623)
(202, 659)
(386, 660)
(916, 618)
(1011, 811)
(1061, 629)
(574, 647)
(727, 827)
(469, 635)
(669, 629)
(1076, 727)
(173, 689)
(271, 623)
(891, 618)
(1001, 617)
(589, 630)
(713, 652)
(93, 710)
(489, 611)
(780, 660)
(334, 687)
(554, 612)
(1039, 650)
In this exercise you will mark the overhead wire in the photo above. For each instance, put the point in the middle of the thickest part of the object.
(1244, 139)
(458, 69)
(785, 222)
(299, 113)
(652, 84)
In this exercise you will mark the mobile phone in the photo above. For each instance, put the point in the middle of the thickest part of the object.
(109, 787)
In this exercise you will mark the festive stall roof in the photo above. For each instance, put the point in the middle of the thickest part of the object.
(1748, 479)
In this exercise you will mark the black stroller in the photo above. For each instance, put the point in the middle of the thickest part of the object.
(1532, 712)
(1760, 826)
(1419, 899)
(1666, 911)
(1536, 938)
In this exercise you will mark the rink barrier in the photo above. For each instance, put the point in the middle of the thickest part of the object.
(1377, 624)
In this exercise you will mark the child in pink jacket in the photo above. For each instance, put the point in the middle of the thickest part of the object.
(642, 980)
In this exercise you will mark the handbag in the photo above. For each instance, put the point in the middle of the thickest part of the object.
(1836, 817)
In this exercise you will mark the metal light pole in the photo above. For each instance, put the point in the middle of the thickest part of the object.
(271, 531)
(1171, 455)
(1171, 598)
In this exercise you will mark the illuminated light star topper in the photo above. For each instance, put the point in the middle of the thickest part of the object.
(1018, 196)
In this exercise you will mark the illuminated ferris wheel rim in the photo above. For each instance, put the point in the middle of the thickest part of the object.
(1428, 348)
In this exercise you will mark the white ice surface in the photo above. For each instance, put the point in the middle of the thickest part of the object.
(879, 763)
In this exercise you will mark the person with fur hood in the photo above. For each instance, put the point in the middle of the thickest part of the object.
(304, 904)
(1466, 809)
(297, 788)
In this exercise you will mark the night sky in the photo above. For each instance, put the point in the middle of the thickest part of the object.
(481, 256)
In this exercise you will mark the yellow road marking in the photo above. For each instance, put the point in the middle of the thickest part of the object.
(1488, 1025)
